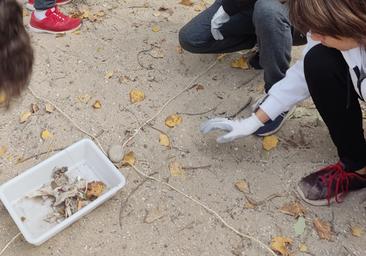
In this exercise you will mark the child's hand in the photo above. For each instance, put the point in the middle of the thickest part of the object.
(236, 128)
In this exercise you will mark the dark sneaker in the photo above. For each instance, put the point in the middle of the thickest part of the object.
(254, 61)
(329, 184)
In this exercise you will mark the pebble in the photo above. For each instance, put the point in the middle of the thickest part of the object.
(116, 153)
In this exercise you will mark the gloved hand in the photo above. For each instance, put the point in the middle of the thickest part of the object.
(236, 128)
(217, 21)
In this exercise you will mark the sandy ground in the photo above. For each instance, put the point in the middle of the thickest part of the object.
(123, 41)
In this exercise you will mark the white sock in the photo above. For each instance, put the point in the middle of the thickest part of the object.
(40, 15)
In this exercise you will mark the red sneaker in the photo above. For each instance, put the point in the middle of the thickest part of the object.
(30, 4)
(55, 22)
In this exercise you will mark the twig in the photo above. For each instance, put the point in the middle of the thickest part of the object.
(101, 132)
(186, 226)
(199, 167)
(205, 207)
(138, 59)
(236, 207)
(158, 130)
(6, 246)
(25, 159)
(50, 148)
(196, 114)
(134, 116)
(265, 200)
(240, 110)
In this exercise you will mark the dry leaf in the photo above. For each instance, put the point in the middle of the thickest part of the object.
(279, 244)
(323, 229)
(10, 158)
(303, 247)
(46, 134)
(80, 99)
(22, 218)
(199, 87)
(186, 3)
(155, 29)
(356, 231)
(35, 108)
(243, 186)
(295, 208)
(18, 159)
(79, 205)
(60, 35)
(130, 157)
(270, 142)
(2, 98)
(241, 63)
(76, 32)
(109, 75)
(153, 215)
(49, 107)
(136, 96)
(173, 120)
(157, 14)
(197, 9)
(99, 48)
(220, 57)
(24, 116)
(101, 13)
(203, 4)
(97, 104)
(25, 13)
(164, 140)
(179, 49)
(158, 54)
(95, 188)
(176, 170)
(250, 205)
(3, 150)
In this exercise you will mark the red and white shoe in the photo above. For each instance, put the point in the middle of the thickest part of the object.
(30, 4)
(55, 22)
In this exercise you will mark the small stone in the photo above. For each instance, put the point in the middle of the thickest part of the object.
(116, 153)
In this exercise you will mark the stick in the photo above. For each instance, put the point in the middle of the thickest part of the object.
(240, 110)
(265, 200)
(6, 246)
(188, 167)
(25, 159)
(49, 148)
(196, 114)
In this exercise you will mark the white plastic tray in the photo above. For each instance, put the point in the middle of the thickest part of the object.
(83, 159)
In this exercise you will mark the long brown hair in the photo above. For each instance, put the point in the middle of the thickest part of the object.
(16, 53)
(335, 18)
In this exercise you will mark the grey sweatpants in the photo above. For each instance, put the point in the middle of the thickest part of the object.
(44, 4)
(267, 25)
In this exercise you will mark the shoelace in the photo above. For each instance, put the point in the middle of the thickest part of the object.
(57, 16)
(340, 175)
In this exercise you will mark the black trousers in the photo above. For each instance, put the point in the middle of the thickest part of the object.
(331, 88)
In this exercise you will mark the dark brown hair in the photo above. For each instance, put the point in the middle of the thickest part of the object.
(335, 18)
(16, 53)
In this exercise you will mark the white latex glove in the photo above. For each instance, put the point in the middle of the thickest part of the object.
(217, 21)
(236, 128)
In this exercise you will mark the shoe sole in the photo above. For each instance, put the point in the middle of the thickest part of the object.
(288, 115)
(51, 32)
(31, 6)
(322, 202)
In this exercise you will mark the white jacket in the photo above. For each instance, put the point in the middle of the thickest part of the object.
(292, 89)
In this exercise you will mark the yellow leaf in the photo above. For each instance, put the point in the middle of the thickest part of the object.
(24, 116)
(35, 108)
(241, 63)
(295, 208)
(136, 96)
(173, 120)
(155, 29)
(49, 107)
(197, 9)
(109, 75)
(279, 244)
(25, 13)
(243, 186)
(220, 57)
(76, 32)
(60, 35)
(10, 158)
(100, 48)
(3, 150)
(97, 104)
(356, 231)
(87, 98)
(128, 158)
(164, 140)
(157, 54)
(2, 98)
(18, 159)
(303, 247)
(250, 205)
(260, 88)
(85, 14)
(270, 142)
(199, 87)
(203, 4)
(101, 13)
(179, 49)
(80, 99)
(186, 3)
(322, 229)
(176, 170)
(46, 134)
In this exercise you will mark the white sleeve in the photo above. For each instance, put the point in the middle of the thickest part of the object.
(292, 89)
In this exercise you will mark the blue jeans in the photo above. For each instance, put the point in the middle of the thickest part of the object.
(44, 4)
(267, 25)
